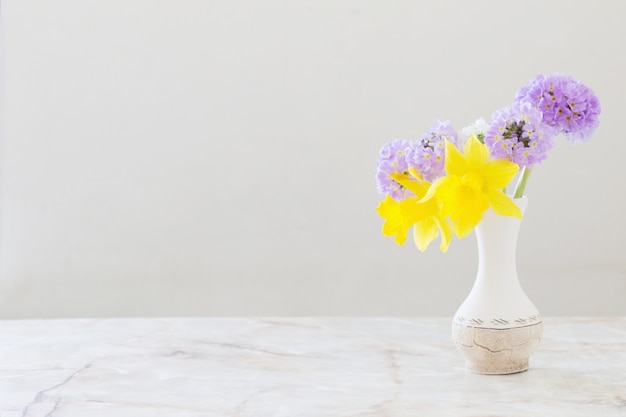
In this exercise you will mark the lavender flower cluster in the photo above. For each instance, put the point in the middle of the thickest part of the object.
(517, 133)
(426, 155)
(393, 158)
(545, 107)
(523, 133)
(567, 105)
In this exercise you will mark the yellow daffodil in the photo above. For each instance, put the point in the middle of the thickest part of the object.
(425, 217)
(473, 184)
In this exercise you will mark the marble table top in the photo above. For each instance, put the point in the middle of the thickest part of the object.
(360, 367)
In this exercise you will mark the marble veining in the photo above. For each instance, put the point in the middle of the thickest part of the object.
(359, 367)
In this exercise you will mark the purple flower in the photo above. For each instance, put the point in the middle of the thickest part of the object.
(567, 105)
(517, 134)
(393, 158)
(427, 155)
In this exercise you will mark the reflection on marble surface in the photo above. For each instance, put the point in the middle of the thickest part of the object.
(361, 367)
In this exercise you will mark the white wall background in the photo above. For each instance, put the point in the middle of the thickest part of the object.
(217, 158)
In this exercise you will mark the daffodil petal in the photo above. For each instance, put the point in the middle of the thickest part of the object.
(499, 173)
(400, 238)
(503, 205)
(462, 227)
(425, 232)
(455, 163)
(416, 187)
(446, 233)
(477, 153)
(415, 173)
(432, 189)
(401, 215)
(395, 224)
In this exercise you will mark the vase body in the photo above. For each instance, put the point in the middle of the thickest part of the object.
(497, 327)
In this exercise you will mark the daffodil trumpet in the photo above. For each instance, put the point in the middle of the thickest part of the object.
(425, 217)
(473, 183)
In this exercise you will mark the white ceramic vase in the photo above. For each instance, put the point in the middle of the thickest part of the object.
(497, 327)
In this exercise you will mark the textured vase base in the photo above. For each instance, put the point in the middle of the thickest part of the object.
(497, 351)
(496, 368)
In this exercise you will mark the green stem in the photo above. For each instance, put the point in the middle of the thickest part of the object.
(521, 183)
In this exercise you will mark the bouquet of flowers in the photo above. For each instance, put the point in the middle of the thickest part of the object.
(433, 187)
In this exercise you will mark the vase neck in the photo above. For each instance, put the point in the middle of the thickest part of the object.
(497, 245)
